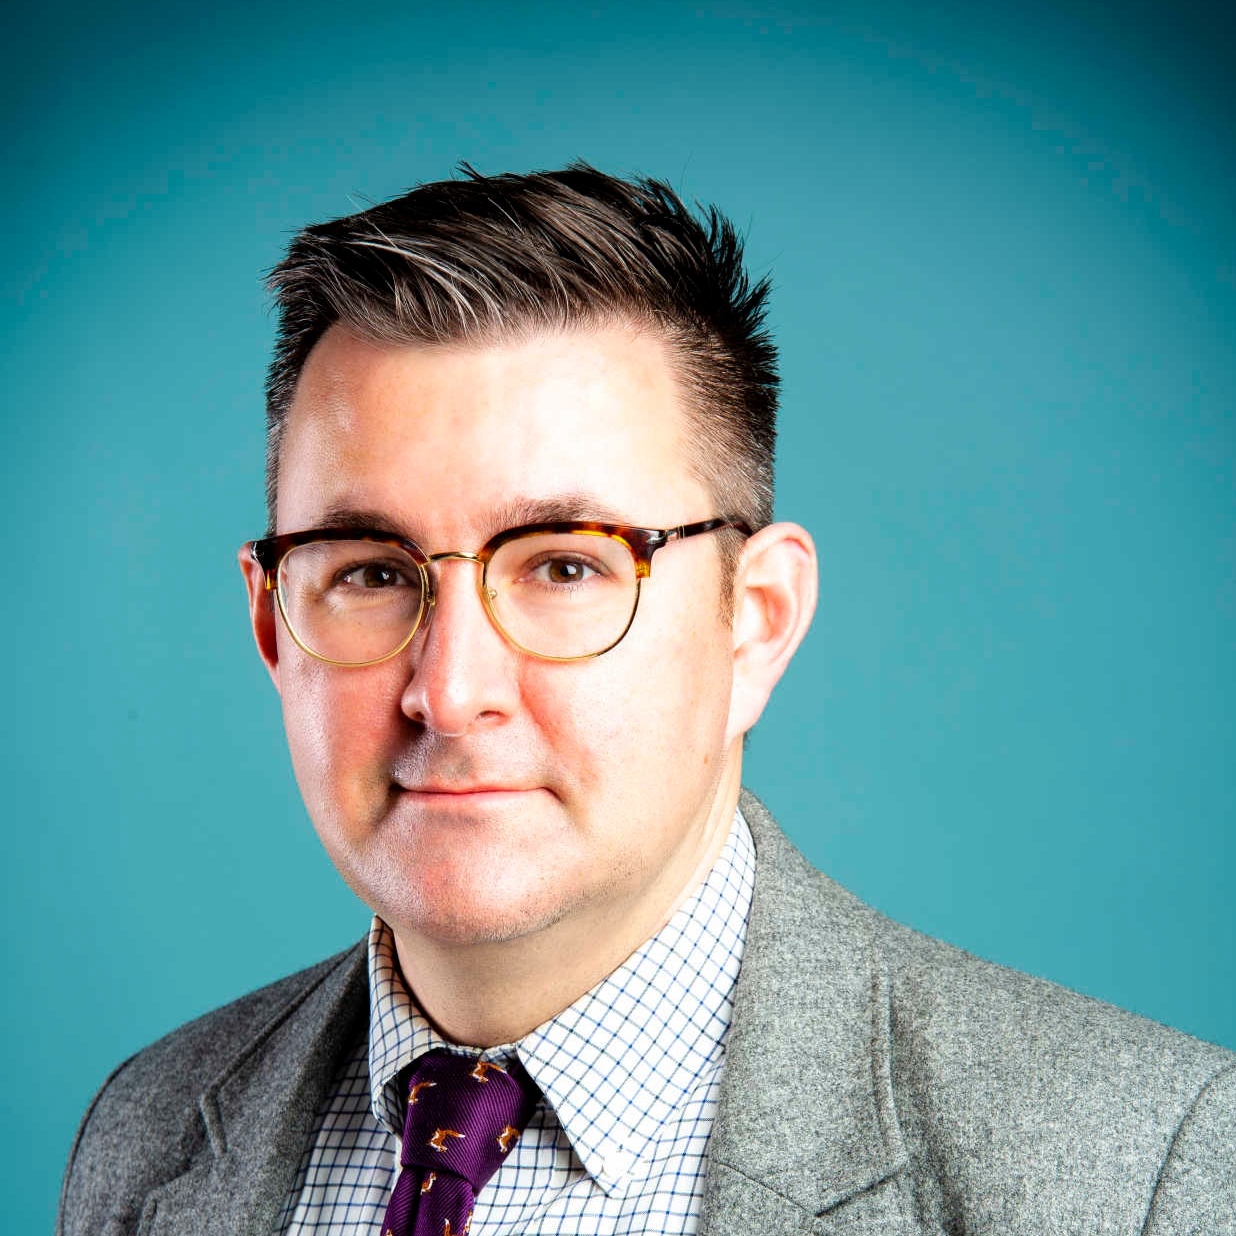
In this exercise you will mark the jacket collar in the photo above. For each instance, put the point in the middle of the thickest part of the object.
(811, 1020)
(258, 1114)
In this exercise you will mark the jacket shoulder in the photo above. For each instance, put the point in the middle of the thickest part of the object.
(958, 1017)
(1013, 1104)
(145, 1124)
(1013, 1086)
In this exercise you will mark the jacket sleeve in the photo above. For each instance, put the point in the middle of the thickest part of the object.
(1196, 1189)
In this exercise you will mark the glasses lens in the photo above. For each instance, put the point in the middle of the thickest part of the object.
(351, 602)
(563, 595)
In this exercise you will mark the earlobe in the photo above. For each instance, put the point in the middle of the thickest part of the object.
(261, 613)
(775, 590)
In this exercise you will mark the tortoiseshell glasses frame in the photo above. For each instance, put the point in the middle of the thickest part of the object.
(608, 620)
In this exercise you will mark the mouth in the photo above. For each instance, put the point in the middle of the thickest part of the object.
(445, 793)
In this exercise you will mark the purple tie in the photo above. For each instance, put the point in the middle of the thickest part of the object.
(463, 1116)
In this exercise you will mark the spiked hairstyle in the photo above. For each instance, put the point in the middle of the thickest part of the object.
(485, 259)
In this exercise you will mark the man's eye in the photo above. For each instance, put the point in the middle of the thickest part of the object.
(373, 575)
(562, 572)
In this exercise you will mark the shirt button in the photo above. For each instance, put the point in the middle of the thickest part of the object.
(618, 1163)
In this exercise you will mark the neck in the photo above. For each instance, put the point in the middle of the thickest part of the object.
(482, 994)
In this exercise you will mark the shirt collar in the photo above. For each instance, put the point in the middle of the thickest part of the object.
(615, 1064)
(398, 1031)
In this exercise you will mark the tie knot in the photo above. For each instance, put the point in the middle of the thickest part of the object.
(463, 1114)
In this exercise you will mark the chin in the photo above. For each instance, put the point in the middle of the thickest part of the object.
(453, 903)
(470, 923)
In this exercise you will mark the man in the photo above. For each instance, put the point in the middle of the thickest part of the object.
(522, 599)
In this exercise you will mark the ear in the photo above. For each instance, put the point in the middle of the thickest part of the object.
(775, 589)
(261, 612)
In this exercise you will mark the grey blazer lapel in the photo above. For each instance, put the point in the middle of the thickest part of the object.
(806, 1137)
(258, 1113)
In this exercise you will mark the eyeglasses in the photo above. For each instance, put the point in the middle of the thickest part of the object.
(558, 591)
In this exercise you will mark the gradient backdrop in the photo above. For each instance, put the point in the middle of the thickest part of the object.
(1003, 249)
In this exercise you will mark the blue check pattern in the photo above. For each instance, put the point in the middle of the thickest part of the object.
(630, 1075)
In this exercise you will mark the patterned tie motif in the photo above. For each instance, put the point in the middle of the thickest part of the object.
(463, 1116)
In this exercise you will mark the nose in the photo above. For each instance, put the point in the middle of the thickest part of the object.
(463, 670)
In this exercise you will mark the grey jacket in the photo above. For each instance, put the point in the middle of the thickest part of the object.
(877, 1081)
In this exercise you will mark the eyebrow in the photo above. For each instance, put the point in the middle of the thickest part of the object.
(560, 508)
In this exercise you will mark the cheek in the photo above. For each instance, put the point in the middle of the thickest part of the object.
(338, 726)
(641, 718)
(582, 721)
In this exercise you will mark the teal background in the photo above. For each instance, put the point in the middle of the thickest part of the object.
(1003, 249)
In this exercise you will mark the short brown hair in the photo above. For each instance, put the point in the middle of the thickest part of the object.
(485, 258)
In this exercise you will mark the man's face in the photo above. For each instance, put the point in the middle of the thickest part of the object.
(467, 791)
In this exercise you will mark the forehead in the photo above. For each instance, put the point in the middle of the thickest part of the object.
(442, 439)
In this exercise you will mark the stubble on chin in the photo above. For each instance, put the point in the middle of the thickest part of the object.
(458, 878)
